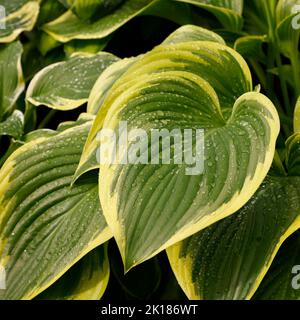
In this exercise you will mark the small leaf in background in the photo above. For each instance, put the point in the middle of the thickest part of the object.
(251, 47)
(86, 9)
(258, 14)
(49, 10)
(11, 77)
(69, 26)
(13, 126)
(284, 9)
(67, 85)
(86, 280)
(46, 225)
(21, 15)
(289, 36)
(229, 12)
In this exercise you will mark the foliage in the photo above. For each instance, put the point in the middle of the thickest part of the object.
(70, 225)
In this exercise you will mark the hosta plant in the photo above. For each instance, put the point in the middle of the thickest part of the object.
(74, 227)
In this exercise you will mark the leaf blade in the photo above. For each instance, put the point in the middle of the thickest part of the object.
(75, 77)
(42, 223)
(229, 259)
(21, 15)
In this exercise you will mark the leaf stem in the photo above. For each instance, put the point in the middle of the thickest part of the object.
(259, 72)
(47, 119)
(296, 71)
(277, 163)
(283, 83)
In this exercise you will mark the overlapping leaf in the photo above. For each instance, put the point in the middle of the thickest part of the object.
(19, 16)
(229, 12)
(190, 33)
(282, 280)
(251, 46)
(229, 259)
(67, 85)
(89, 46)
(11, 77)
(45, 224)
(86, 280)
(69, 26)
(203, 85)
(49, 10)
(13, 126)
(255, 16)
(105, 82)
(87, 9)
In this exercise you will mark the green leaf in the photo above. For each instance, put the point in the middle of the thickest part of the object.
(67, 85)
(229, 259)
(33, 61)
(20, 15)
(86, 9)
(46, 225)
(49, 10)
(11, 77)
(106, 81)
(69, 26)
(283, 274)
(88, 46)
(13, 125)
(186, 85)
(96, 98)
(46, 43)
(109, 77)
(86, 280)
(111, 74)
(251, 46)
(288, 37)
(256, 23)
(189, 33)
(229, 12)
